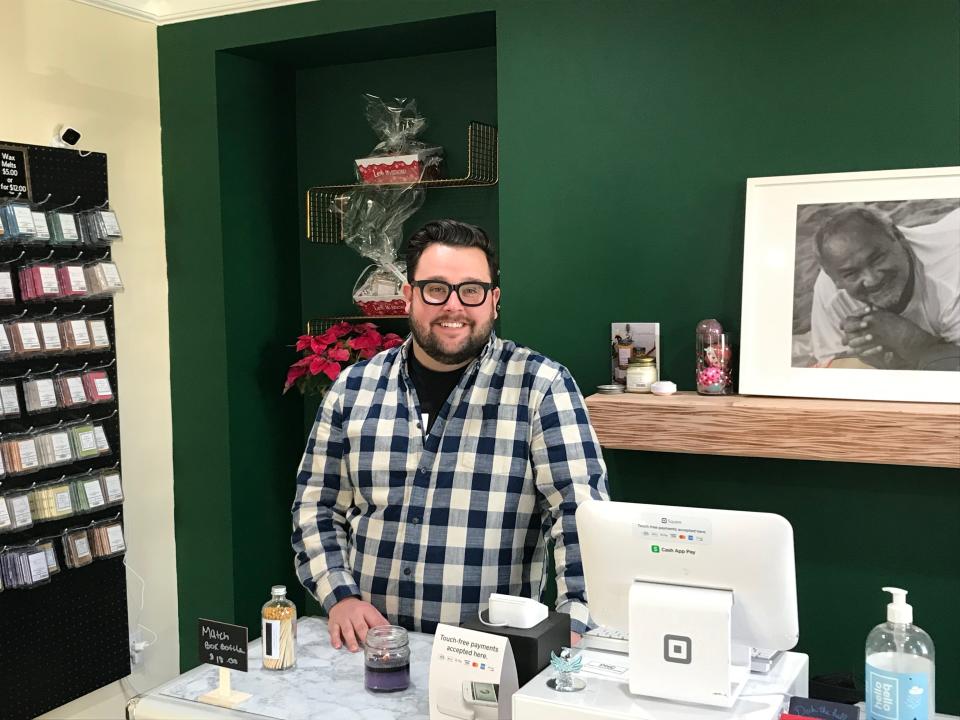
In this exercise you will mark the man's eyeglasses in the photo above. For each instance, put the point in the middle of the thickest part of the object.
(437, 292)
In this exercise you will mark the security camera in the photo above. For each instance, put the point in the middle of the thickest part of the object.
(66, 136)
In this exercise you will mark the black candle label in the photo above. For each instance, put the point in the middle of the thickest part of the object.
(223, 644)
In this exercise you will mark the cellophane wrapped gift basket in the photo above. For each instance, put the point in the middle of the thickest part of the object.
(399, 157)
(373, 226)
(373, 214)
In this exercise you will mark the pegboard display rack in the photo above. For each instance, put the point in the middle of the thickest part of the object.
(62, 640)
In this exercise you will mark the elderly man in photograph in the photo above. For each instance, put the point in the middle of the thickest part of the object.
(438, 471)
(887, 297)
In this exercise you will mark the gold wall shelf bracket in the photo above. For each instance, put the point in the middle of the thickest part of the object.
(323, 224)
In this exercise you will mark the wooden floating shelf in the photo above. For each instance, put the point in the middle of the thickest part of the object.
(889, 433)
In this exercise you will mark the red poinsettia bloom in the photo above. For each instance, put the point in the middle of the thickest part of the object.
(320, 365)
(320, 343)
(303, 342)
(391, 340)
(370, 340)
(332, 370)
(326, 354)
(341, 329)
(317, 364)
(294, 374)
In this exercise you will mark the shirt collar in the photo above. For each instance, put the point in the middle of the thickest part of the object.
(407, 347)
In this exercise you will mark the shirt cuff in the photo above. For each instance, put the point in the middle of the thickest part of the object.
(580, 620)
(339, 585)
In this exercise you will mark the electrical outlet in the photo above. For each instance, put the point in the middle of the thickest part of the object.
(137, 646)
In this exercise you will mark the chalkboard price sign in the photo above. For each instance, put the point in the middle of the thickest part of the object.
(14, 171)
(222, 644)
(823, 709)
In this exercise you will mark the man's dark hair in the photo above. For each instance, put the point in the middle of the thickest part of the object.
(455, 234)
(856, 219)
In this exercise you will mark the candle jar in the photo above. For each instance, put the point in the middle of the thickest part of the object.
(641, 374)
(714, 363)
(386, 659)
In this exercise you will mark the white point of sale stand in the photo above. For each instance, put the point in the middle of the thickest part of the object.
(472, 675)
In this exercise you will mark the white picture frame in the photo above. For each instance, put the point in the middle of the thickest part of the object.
(768, 347)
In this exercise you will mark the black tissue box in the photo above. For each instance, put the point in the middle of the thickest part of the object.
(531, 647)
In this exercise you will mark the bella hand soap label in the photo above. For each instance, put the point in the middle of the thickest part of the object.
(896, 696)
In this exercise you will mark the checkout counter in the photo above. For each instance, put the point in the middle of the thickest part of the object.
(327, 684)
(682, 570)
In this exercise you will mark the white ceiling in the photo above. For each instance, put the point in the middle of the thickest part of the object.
(162, 12)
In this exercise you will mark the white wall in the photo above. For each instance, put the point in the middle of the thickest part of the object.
(66, 62)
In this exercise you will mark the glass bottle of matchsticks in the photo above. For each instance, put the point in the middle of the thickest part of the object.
(279, 631)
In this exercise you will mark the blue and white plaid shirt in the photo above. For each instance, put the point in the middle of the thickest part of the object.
(425, 527)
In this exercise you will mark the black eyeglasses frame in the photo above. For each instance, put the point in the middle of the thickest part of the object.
(451, 288)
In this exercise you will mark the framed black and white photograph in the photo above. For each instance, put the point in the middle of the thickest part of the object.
(851, 286)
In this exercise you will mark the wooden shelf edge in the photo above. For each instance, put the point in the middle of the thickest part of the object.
(890, 433)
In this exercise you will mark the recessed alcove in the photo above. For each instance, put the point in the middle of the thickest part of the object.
(290, 115)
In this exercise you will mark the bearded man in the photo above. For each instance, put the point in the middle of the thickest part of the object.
(438, 472)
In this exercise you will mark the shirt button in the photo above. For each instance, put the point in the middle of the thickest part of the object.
(415, 521)
(406, 571)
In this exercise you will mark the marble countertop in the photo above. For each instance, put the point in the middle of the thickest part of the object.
(325, 683)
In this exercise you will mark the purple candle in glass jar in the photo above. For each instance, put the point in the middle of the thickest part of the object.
(386, 659)
(387, 679)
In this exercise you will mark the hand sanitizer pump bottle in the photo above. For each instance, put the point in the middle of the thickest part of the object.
(900, 666)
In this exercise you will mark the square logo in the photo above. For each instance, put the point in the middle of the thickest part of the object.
(655, 548)
(677, 649)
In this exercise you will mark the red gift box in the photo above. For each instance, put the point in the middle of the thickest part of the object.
(410, 168)
(379, 308)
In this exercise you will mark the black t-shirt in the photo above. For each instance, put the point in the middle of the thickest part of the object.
(433, 387)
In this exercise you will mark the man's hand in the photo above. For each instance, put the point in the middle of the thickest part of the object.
(886, 340)
(574, 638)
(349, 621)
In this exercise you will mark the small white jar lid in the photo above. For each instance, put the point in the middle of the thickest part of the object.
(663, 387)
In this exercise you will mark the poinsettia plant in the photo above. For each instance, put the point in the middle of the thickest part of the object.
(327, 354)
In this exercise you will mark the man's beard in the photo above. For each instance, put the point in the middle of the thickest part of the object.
(469, 349)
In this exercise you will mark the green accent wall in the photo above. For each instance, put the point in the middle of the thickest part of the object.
(258, 216)
(627, 132)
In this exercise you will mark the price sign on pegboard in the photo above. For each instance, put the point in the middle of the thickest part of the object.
(14, 171)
